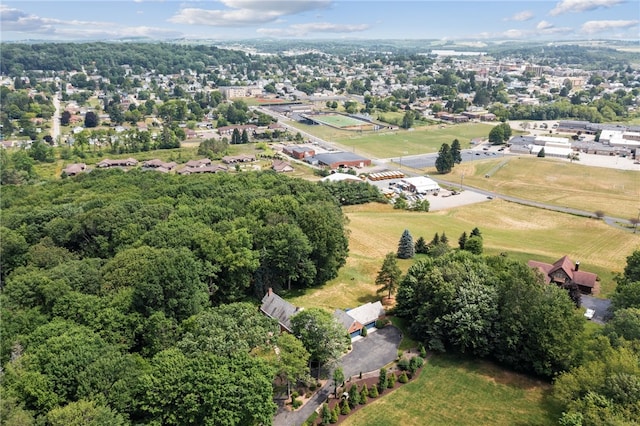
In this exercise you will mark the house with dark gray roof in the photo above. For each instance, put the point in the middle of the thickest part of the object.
(276, 307)
(336, 160)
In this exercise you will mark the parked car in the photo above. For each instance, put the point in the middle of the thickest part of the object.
(590, 313)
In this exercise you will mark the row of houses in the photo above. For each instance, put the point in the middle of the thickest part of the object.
(203, 165)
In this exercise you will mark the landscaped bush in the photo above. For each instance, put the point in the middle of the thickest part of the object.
(335, 414)
(296, 403)
(391, 381)
(403, 364)
(403, 377)
(382, 382)
(415, 363)
(345, 409)
(373, 393)
(383, 322)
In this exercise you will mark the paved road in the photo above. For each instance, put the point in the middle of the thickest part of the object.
(610, 220)
(371, 353)
(55, 120)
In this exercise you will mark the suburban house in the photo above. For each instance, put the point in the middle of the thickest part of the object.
(276, 307)
(242, 158)
(364, 316)
(106, 163)
(280, 166)
(159, 165)
(74, 169)
(564, 272)
(212, 168)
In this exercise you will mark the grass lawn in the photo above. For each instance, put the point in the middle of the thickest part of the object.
(561, 183)
(458, 391)
(522, 232)
(385, 144)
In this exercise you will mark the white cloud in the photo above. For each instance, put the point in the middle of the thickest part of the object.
(300, 30)
(246, 12)
(591, 27)
(571, 6)
(525, 15)
(544, 25)
(14, 20)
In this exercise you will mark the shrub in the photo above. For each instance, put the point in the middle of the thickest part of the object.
(373, 393)
(363, 397)
(296, 403)
(354, 396)
(326, 415)
(345, 409)
(403, 377)
(415, 363)
(382, 382)
(364, 332)
(423, 352)
(335, 414)
(391, 381)
(403, 364)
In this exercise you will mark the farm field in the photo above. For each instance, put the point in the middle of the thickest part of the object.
(522, 232)
(561, 183)
(458, 391)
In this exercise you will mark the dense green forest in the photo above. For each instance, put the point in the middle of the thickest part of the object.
(132, 296)
(165, 58)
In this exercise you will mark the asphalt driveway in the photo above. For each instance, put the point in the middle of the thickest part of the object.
(601, 306)
(370, 353)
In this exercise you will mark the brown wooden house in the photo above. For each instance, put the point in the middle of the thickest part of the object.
(564, 271)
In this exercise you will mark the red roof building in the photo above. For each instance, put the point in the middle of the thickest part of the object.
(565, 271)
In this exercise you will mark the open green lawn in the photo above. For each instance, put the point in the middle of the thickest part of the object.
(385, 143)
(458, 391)
(412, 142)
(561, 183)
(522, 232)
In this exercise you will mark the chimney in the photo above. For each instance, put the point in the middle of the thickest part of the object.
(577, 265)
(270, 291)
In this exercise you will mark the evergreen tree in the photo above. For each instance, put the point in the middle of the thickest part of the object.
(406, 249)
(403, 377)
(444, 162)
(444, 239)
(373, 393)
(462, 240)
(326, 414)
(245, 137)
(364, 395)
(389, 276)
(541, 153)
(382, 380)
(335, 414)
(354, 396)
(345, 409)
(435, 240)
(455, 151)
(475, 232)
(235, 137)
(391, 381)
(421, 246)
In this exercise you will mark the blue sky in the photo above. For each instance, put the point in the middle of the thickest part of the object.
(476, 20)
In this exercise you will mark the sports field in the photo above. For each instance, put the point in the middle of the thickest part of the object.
(339, 120)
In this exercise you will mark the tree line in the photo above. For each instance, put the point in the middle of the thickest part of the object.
(124, 295)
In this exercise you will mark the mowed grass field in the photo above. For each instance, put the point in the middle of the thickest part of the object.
(456, 391)
(387, 143)
(522, 232)
(418, 141)
(338, 120)
(557, 182)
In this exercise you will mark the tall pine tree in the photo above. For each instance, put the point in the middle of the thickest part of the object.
(444, 162)
(406, 249)
(455, 151)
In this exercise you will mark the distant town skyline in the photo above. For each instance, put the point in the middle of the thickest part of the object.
(473, 20)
